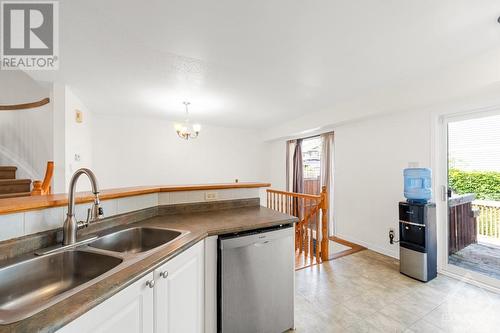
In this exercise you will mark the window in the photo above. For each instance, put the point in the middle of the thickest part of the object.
(311, 157)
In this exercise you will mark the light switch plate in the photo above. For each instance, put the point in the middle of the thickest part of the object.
(210, 196)
(79, 116)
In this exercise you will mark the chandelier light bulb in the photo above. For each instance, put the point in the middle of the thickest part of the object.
(186, 131)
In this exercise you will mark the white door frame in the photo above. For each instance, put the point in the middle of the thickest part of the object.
(439, 158)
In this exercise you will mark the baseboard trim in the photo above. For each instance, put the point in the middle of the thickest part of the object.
(354, 248)
(394, 254)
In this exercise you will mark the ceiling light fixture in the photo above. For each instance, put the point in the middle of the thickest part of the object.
(185, 130)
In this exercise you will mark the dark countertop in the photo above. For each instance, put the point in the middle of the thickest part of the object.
(200, 225)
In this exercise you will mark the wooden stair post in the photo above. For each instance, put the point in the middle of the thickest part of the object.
(43, 188)
(307, 208)
(324, 224)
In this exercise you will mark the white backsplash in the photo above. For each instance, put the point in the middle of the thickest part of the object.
(181, 197)
(11, 226)
(41, 220)
(30, 222)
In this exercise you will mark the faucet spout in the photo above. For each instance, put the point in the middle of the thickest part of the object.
(71, 226)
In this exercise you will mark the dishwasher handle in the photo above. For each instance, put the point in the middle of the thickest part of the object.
(256, 239)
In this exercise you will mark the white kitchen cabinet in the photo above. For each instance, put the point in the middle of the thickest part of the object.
(179, 293)
(129, 311)
(168, 300)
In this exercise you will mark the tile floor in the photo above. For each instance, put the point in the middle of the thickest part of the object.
(364, 292)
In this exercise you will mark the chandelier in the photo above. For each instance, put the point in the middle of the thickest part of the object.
(185, 130)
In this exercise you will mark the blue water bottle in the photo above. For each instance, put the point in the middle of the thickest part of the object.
(417, 185)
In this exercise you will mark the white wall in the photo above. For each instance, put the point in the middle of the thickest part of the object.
(370, 156)
(130, 151)
(70, 138)
(275, 160)
(58, 98)
(25, 135)
(78, 139)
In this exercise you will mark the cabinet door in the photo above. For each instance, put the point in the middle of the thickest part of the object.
(179, 293)
(129, 311)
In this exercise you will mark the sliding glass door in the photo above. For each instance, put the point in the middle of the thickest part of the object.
(471, 196)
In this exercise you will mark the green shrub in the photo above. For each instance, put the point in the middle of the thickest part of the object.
(485, 184)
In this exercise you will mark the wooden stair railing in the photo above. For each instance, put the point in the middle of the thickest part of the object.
(25, 106)
(312, 226)
(44, 187)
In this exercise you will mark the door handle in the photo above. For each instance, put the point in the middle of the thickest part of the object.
(259, 244)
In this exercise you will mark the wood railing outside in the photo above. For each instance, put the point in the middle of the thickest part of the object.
(311, 232)
(462, 227)
(44, 187)
(312, 186)
(488, 221)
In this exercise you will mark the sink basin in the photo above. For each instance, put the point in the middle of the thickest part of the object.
(30, 286)
(135, 240)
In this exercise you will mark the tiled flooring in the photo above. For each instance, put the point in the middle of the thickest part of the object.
(364, 292)
(335, 248)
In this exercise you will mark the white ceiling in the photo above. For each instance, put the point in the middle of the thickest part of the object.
(258, 63)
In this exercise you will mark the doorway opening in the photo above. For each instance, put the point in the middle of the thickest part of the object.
(474, 195)
(311, 159)
(314, 166)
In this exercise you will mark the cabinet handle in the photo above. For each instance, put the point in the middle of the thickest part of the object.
(164, 274)
(150, 283)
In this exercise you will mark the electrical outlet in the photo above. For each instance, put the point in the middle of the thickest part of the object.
(210, 196)
(391, 236)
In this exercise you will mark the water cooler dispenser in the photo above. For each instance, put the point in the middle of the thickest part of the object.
(417, 227)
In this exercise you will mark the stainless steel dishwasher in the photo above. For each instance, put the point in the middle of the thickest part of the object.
(256, 281)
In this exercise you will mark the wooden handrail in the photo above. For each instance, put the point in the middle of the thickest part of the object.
(307, 208)
(296, 195)
(44, 187)
(25, 105)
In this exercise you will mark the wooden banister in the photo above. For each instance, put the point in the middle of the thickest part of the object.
(311, 232)
(296, 195)
(25, 105)
(324, 224)
(44, 187)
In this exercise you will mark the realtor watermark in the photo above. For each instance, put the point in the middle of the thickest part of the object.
(29, 35)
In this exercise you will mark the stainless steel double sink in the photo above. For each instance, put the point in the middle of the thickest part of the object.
(32, 285)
